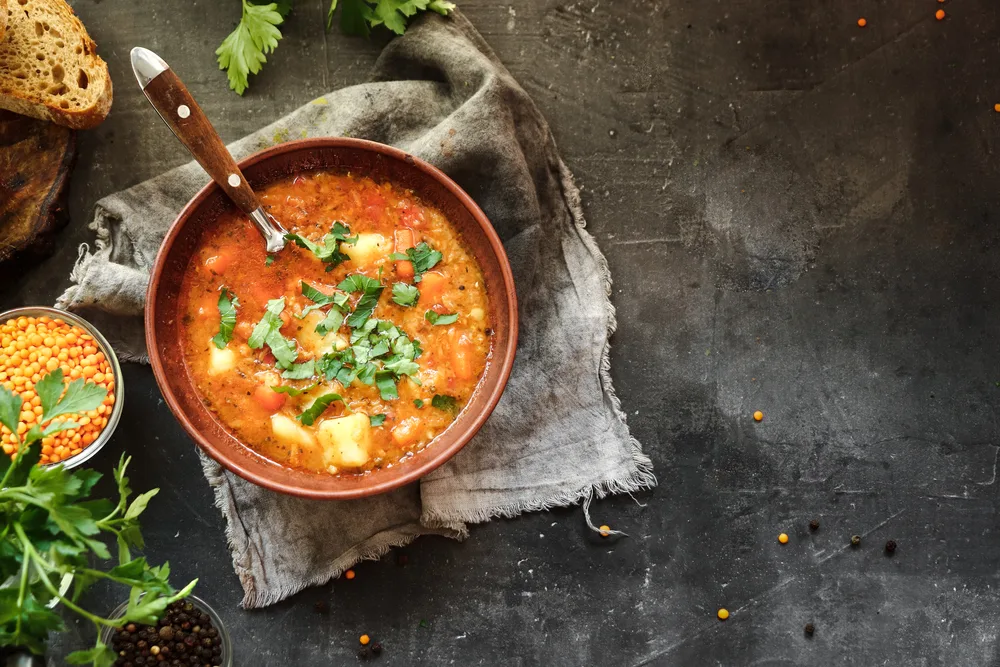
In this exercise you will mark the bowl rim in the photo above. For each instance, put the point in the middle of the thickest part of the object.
(93, 448)
(414, 470)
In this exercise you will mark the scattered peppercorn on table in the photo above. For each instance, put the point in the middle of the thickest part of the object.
(32, 347)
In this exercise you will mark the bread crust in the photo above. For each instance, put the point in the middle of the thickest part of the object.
(21, 76)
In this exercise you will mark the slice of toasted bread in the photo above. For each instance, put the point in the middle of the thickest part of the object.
(49, 67)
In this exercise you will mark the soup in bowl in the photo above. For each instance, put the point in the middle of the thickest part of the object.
(361, 356)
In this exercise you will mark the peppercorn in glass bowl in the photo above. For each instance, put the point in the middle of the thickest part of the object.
(170, 639)
(19, 333)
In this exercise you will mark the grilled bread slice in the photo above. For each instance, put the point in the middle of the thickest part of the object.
(49, 67)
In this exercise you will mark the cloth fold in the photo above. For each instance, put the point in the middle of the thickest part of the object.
(558, 435)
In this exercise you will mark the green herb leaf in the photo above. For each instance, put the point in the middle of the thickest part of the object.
(228, 303)
(292, 391)
(419, 402)
(371, 290)
(101, 655)
(376, 420)
(434, 318)
(267, 332)
(319, 406)
(302, 371)
(328, 249)
(355, 17)
(423, 257)
(405, 295)
(10, 406)
(386, 383)
(244, 51)
(138, 505)
(81, 396)
(446, 403)
(269, 261)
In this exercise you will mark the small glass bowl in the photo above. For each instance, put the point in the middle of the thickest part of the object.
(105, 347)
(225, 660)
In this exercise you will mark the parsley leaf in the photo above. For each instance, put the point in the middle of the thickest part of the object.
(405, 295)
(328, 249)
(319, 406)
(376, 420)
(446, 403)
(423, 257)
(357, 17)
(302, 371)
(244, 51)
(434, 318)
(371, 290)
(338, 306)
(386, 383)
(292, 391)
(418, 402)
(268, 332)
(80, 396)
(269, 261)
(228, 303)
(10, 406)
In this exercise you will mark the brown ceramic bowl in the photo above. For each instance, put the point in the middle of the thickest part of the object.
(382, 163)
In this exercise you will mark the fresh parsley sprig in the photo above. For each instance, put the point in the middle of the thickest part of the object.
(245, 50)
(423, 257)
(328, 250)
(228, 303)
(52, 529)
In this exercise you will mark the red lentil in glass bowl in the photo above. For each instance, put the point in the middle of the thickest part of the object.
(82, 352)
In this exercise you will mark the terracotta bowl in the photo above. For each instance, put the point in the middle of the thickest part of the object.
(382, 163)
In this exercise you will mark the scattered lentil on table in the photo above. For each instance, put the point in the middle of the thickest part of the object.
(605, 530)
(723, 614)
(862, 22)
(758, 416)
(939, 15)
(32, 347)
(783, 538)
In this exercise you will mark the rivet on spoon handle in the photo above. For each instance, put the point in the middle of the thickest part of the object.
(184, 117)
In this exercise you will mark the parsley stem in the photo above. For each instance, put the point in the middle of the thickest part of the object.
(20, 593)
(40, 568)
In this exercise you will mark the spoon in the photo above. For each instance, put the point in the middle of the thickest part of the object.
(184, 117)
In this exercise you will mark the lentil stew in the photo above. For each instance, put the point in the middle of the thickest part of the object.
(353, 348)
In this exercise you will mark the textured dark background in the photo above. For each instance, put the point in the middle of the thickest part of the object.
(800, 216)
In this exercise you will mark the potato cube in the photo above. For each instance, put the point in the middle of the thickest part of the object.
(369, 249)
(346, 440)
(221, 361)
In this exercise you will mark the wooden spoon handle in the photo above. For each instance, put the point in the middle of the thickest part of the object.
(171, 99)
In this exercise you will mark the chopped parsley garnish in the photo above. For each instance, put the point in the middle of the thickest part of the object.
(334, 317)
(269, 261)
(302, 371)
(319, 406)
(379, 354)
(434, 318)
(423, 257)
(268, 332)
(419, 402)
(386, 383)
(228, 303)
(292, 391)
(328, 249)
(446, 403)
(370, 289)
(405, 295)
(376, 420)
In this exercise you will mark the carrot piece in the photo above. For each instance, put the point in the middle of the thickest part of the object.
(432, 287)
(461, 355)
(404, 240)
(268, 399)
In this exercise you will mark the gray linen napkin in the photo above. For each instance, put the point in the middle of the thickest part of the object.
(558, 435)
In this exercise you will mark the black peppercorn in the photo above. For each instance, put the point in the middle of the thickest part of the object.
(890, 546)
(809, 629)
(814, 525)
(855, 540)
(130, 627)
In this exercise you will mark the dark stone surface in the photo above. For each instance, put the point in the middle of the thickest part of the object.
(801, 218)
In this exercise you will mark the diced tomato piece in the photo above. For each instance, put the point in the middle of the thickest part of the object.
(268, 358)
(405, 238)
(268, 399)
(220, 261)
(243, 330)
(405, 431)
(432, 287)
(412, 217)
